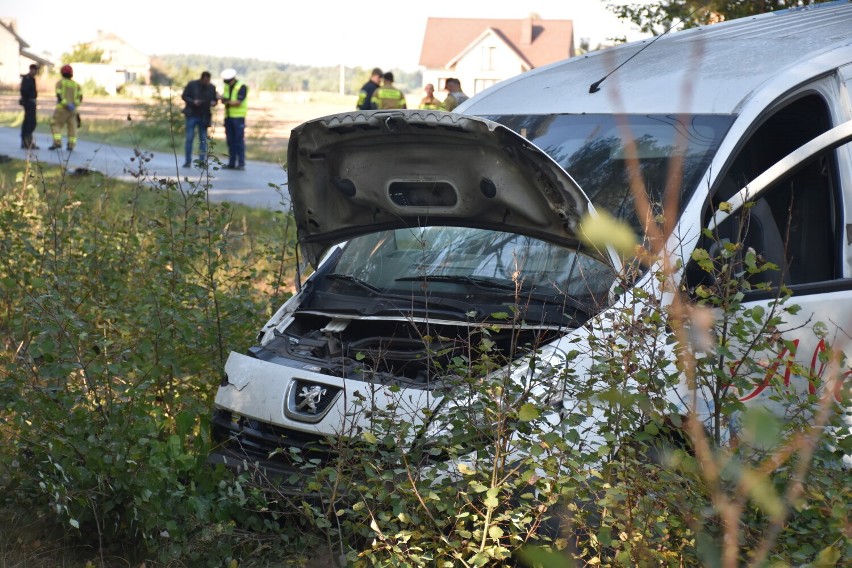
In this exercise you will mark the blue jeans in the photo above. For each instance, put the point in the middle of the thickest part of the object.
(235, 133)
(192, 123)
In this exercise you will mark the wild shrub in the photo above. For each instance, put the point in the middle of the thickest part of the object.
(119, 307)
(639, 452)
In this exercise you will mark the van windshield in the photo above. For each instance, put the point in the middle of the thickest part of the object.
(481, 269)
(592, 149)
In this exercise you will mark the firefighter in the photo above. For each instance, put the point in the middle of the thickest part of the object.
(69, 95)
(365, 96)
(387, 96)
(455, 96)
(29, 94)
(430, 101)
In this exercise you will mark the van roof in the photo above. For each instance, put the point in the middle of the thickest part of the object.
(707, 70)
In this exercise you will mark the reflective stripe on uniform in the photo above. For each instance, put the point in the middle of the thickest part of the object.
(68, 91)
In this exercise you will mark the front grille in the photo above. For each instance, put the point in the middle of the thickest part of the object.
(257, 440)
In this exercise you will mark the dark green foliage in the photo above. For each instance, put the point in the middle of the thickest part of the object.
(119, 307)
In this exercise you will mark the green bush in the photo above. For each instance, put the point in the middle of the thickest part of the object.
(493, 469)
(119, 307)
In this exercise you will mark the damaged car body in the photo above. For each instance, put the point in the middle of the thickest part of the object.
(414, 260)
(432, 232)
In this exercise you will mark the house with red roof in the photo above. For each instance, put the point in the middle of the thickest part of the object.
(482, 52)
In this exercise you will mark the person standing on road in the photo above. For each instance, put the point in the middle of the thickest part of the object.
(365, 96)
(387, 96)
(455, 96)
(200, 97)
(69, 96)
(430, 101)
(234, 95)
(29, 94)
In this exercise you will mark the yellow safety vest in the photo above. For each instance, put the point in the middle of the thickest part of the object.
(230, 94)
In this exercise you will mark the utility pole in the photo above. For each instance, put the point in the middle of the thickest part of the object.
(342, 80)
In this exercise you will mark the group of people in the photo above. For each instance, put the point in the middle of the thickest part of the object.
(379, 93)
(69, 96)
(199, 95)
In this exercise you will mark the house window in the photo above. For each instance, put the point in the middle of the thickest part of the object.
(488, 58)
(480, 85)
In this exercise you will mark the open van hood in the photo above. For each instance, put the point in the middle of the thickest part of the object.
(360, 172)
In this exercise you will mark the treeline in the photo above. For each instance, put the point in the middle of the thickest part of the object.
(177, 69)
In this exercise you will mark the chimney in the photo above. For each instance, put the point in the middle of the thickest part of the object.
(526, 31)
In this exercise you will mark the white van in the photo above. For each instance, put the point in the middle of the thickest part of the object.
(425, 226)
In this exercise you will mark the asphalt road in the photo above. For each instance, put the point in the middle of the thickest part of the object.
(249, 187)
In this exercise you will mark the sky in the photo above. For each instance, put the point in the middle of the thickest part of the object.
(309, 32)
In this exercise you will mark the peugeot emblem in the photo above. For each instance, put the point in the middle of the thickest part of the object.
(310, 397)
(307, 401)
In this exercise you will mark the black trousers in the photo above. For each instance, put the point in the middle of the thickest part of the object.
(29, 124)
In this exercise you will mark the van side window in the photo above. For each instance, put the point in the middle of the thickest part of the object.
(794, 223)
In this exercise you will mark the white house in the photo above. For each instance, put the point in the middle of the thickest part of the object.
(15, 58)
(481, 52)
(120, 64)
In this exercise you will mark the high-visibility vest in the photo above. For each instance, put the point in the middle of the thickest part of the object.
(229, 93)
(388, 98)
(68, 91)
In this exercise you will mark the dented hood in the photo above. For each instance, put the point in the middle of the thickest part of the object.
(360, 172)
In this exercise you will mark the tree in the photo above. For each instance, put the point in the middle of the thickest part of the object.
(84, 53)
(657, 17)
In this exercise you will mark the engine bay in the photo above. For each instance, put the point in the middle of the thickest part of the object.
(409, 352)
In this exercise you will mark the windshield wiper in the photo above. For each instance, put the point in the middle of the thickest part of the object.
(455, 305)
(354, 280)
(524, 291)
(476, 281)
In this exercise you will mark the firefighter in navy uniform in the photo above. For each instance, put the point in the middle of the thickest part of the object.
(365, 96)
(29, 94)
(69, 95)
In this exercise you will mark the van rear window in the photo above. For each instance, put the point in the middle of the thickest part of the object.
(593, 149)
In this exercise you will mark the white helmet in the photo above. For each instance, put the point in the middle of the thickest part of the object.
(229, 74)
